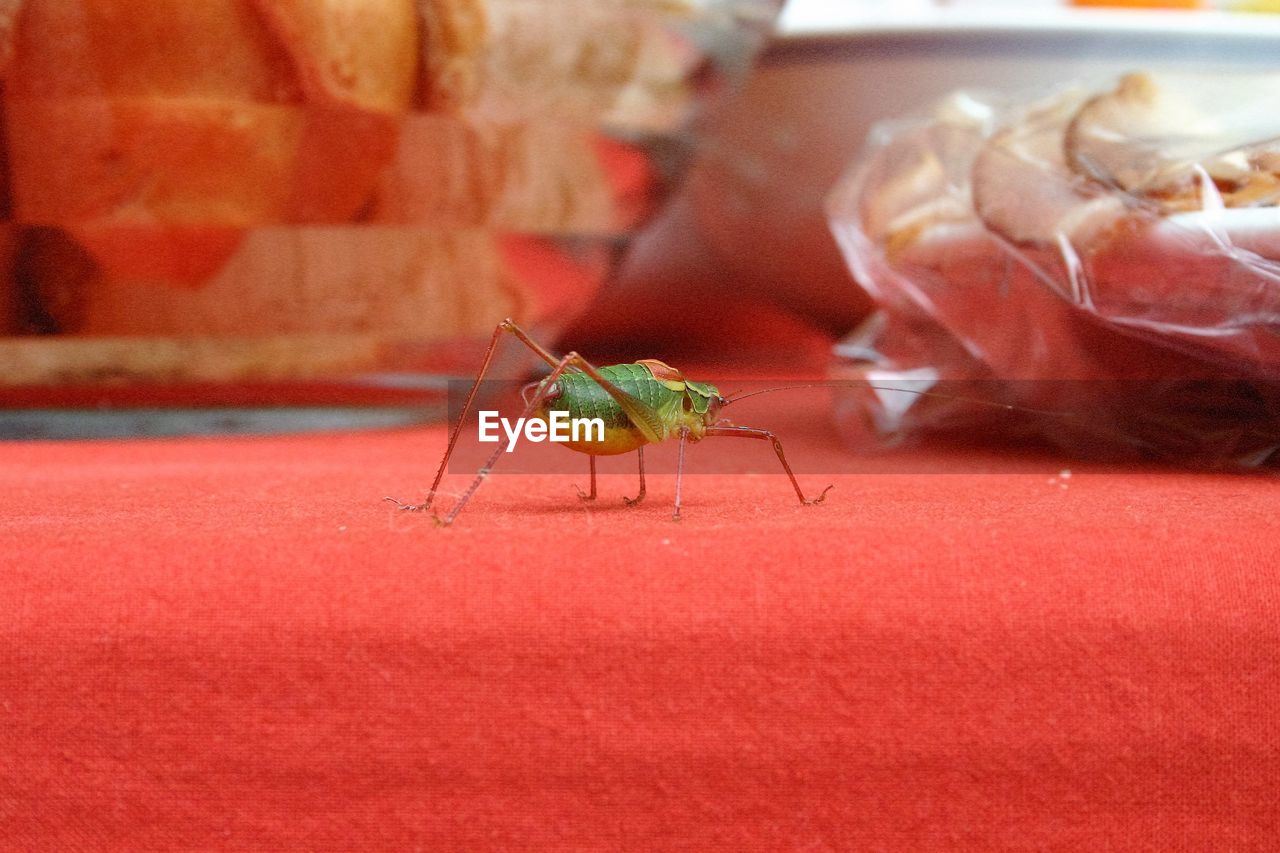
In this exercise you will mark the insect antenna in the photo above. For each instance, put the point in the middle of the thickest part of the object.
(735, 397)
(1009, 407)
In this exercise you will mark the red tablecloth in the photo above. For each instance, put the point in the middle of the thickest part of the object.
(235, 644)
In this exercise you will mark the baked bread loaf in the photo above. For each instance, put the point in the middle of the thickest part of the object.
(218, 113)
(621, 63)
(242, 169)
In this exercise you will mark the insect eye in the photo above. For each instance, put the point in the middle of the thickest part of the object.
(553, 391)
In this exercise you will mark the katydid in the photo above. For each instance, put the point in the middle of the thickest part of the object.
(641, 403)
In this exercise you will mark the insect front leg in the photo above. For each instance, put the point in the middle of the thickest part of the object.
(765, 435)
(684, 439)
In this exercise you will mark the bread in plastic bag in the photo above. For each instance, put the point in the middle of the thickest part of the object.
(1108, 256)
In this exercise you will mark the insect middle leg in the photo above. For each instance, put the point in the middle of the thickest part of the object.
(584, 495)
(639, 497)
(765, 435)
(590, 496)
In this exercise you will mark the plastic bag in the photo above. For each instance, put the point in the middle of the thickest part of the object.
(1107, 256)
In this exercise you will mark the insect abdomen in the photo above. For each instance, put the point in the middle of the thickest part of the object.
(582, 397)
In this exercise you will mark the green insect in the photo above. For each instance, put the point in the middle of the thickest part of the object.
(642, 403)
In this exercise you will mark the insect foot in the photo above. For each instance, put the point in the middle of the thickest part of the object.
(633, 501)
(819, 498)
(583, 496)
(408, 507)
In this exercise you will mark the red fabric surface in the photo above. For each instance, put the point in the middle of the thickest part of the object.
(234, 644)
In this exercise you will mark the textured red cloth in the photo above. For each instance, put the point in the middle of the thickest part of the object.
(234, 644)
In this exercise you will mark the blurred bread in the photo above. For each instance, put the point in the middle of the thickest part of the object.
(392, 281)
(363, 53)
(454, 36)
(164, 111)
(219, 174)
(302, 302)
(532, 177)
(1085, 167)
(1022, 188)
(97, 361)
(1174, 140)
(1089, 218)
(616, 61)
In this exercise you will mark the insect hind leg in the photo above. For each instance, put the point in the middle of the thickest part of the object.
(509, 327)
(532, 406)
